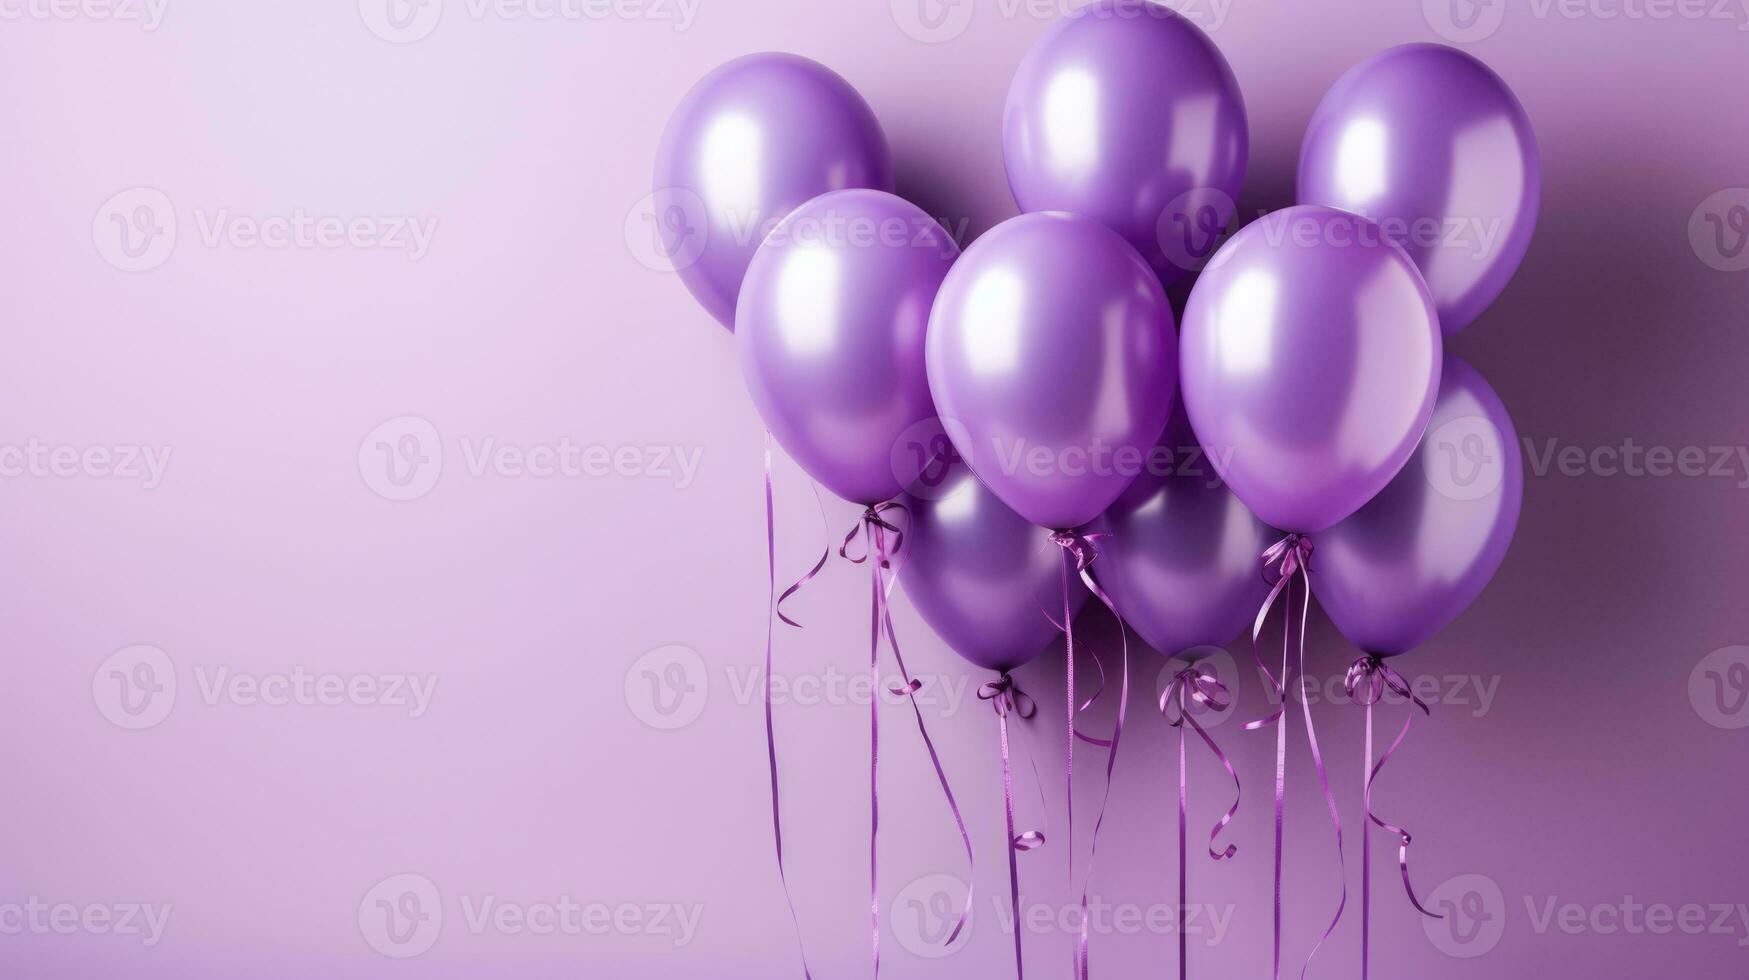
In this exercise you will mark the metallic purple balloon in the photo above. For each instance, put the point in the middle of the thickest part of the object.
(830, 329)
(752, 141)
(979, 573)
(1181, 562)
(1054, 362)
(1432, 145)
(1127, 113)
(1311, 360)
(1414, 559)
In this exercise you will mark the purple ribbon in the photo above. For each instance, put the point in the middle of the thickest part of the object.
(876, 527)
(1368, 679)
(774, 608)
(1083, 550)
(1198, 683)
(1008, 698)
(1292, 558)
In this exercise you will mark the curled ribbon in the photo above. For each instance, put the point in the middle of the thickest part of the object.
(1291, 557)
(1368, 679)
(875, 526)
(1083, 551)
(1007, 698)
(1200, 684)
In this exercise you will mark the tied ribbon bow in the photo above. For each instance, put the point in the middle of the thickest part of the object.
(1368, 679)
(1008, 699)
(1199, 684)
(1083, 550)
(1286, 561)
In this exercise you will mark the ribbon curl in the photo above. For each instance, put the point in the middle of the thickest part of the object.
(1368, 679)
(1007, 698)
(1200, 684)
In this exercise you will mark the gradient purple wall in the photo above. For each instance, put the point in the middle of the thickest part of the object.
(466, 669)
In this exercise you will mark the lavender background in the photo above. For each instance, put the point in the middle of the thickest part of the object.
(586, 641)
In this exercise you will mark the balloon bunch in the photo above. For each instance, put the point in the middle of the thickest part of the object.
(1032, 393)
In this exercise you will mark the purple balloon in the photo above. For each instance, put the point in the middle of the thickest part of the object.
(1053, 361)
(752, 141)
(1414, 559)
(979, 573)
(831, 328)
(1181, 561)
(1127, 113)
(1311, 360)
(1432, 145)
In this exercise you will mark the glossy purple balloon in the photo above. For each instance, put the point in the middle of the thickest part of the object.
(1181, 562)
(1053, 362)
(979, 573)
(752, 141)
(1432, 145)
(830, 329)
(1127, 113)
(1413, 560)
(1311, 360)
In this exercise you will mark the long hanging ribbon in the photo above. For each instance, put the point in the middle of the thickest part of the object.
(1292, 558)
(774, 610)
(1198, 683)
(876, 527)
(1083, 550)
(1366, 683)
(1007, 697)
